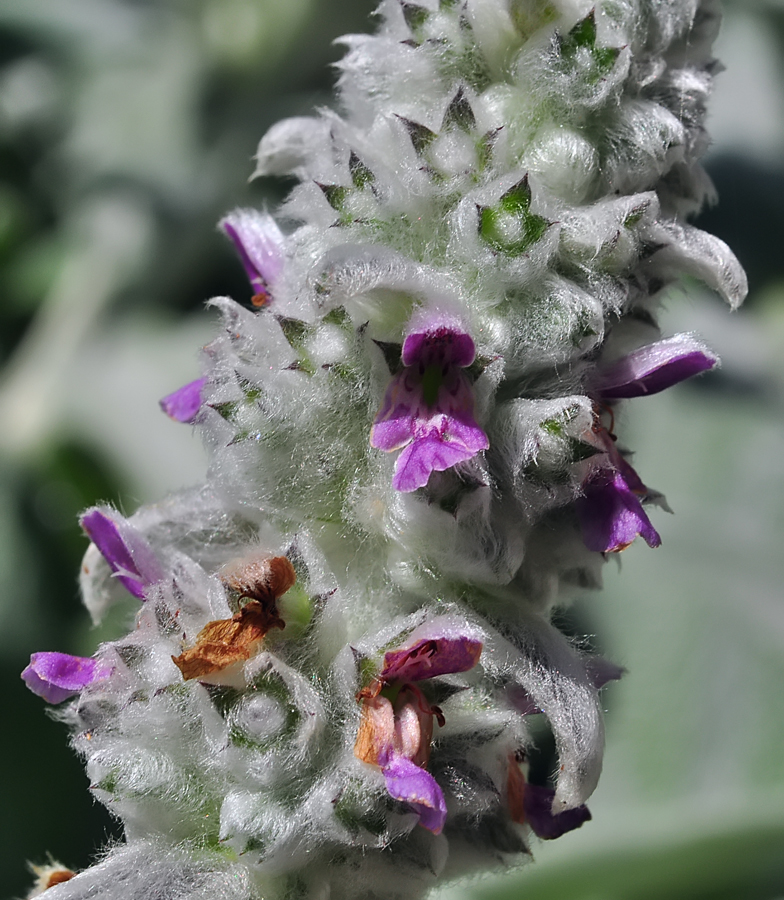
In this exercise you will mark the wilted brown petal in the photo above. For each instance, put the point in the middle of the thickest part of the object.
(59, 877)
(376, 730)
(260, 579)
(515, 790)
(226, 641)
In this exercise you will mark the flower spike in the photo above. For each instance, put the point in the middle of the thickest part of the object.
(479, 228)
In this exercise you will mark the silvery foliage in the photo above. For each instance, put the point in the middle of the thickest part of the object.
(248, 786)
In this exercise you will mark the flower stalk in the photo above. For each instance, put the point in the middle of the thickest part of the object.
(414, 452)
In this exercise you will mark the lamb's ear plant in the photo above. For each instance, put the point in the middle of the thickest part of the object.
(343, 636)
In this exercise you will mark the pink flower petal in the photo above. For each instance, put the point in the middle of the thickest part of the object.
(260, 245)
(413, 726)
(655, 367)
(126, 551)
(431, 657)
(58, 676)
(183, 405)
(538, 806)
(611, 515)
(538, 813)
(407, 782)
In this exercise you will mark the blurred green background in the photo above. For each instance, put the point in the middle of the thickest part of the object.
(127, 129)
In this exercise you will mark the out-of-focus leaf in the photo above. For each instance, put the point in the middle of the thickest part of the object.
(742, 864)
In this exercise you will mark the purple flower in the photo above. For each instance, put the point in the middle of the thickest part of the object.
(428, 408)
(430, 657)
(538, 805)
(611, 515)
(396, 728)
(532, 804)
(610, 512)
(438, 647)
(259, 243)
(125, 549)
(407, 782)
(183, 405)
(654, 368)
(58, 676)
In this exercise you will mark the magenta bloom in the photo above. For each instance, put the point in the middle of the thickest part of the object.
(127, 551)
(538, 806)
(259, 243)
(654, 368)
(183, 405)
(428, 408)
(58, 676)
(532, 805)
(396, 730)
(611, 513)
(405, 781)
(429, 657)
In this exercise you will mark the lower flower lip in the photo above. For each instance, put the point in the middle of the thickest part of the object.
(417, 787)
(611, 515)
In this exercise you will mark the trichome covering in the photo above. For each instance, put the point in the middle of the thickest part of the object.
(344, 635)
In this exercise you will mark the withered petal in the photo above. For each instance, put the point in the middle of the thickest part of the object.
(260, 579)
(225, 641)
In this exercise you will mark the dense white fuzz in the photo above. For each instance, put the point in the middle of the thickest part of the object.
(412, 420)
(158, 869)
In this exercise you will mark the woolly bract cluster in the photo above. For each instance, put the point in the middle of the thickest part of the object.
(342, 637)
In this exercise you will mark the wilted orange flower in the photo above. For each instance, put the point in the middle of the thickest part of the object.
(225, 641)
